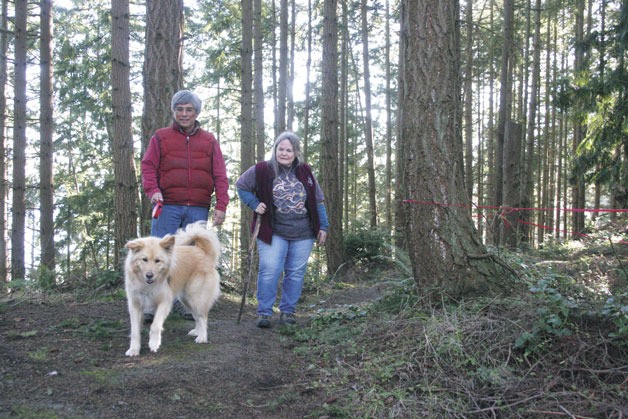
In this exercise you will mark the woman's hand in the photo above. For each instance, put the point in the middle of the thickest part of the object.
(322, 237)
(261, 208)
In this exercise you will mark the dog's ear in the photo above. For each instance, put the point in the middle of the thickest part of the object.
(167, 242)
(134, 245)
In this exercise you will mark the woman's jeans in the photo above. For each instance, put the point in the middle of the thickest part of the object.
(289, 257)
(174, 217)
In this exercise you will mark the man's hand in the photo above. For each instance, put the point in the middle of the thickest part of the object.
(157, 196)
(219, 217)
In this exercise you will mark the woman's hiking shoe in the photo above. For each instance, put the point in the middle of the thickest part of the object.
(263, 321)
(287, 318)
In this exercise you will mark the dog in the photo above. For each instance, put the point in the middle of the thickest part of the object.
(158, 270)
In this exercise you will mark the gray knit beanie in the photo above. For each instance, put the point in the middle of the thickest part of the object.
(185, 96)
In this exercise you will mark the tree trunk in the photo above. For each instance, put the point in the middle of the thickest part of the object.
(329, 136)
(389, 124)
(578, 194)
(18, 212)
(125, 179)
(162, 74)
(400, 239)
(280, 118)
(468, 101)
(247, 140)
(549, 147)
(531, 156)
(343, 141)
(290, 79)
(491, 170)
(443, 244)
(308, 89)
(368, 123)
(505, 105)
(511, 231)
(46, 182)
(258, 90)
(3, 154)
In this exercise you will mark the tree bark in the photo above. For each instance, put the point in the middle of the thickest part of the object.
(368, 123)
(3, 154)
(125, 194)
(258, 90)
(308, 88)
(247, 140)
(162, 74)
(510, 229)
(280, 118)
(578, 191)
(505, 105)
(389, 125)
(46, 178)
(531, 174)
(443, 243)
(18, 211)
(329, 136)
(468, 101)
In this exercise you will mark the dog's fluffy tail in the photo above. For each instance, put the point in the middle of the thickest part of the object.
(199, 235)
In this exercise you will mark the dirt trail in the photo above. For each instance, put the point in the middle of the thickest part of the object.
(66, 359)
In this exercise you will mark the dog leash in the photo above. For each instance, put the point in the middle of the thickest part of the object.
(247, 279)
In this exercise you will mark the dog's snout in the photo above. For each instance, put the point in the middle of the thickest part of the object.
(149, 277)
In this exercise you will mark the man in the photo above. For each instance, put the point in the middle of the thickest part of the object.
(181, 169)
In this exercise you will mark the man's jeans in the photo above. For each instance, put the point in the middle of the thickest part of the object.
(174, 217)
(289, 257)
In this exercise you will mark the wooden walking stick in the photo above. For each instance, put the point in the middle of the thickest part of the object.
(249, 262)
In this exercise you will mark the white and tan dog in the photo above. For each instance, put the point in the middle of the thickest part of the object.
(157, 270)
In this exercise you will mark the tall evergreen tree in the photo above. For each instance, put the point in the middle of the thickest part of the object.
(163, 73)
(247, 140)
(3, 157)
(125, 180)
(368, 122)
(46, 178)
(18, 268)
(444, 247)
(329, 135)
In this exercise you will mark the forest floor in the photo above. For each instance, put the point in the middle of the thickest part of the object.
(60, 357)
(366, 345)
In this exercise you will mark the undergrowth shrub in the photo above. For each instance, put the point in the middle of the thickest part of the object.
(616, 309)
(553, 342)
(367, 245)
(555, 314)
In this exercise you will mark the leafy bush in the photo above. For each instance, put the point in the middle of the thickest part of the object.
(367, 245)
(616, 309)
(555, 312)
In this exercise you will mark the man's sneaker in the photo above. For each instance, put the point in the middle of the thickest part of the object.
(148, 318)
(179, 308)
(263, 321)
(287, 318)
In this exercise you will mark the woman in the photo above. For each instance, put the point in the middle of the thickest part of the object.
(289, 201)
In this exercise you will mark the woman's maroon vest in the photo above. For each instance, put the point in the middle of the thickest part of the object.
(264, 176)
